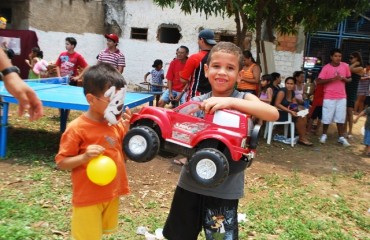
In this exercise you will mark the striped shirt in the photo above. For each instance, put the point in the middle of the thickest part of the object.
(116, 58)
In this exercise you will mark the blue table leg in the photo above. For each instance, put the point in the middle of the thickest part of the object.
(4, 129)
(63, 119)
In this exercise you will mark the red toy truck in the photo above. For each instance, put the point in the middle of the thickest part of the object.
(216, 144)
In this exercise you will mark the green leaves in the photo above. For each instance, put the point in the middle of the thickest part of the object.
(283, 16)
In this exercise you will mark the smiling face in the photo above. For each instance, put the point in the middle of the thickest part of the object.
(289, 84)
(222, 73)
(181, 54)
(111, 44)
(336, 58)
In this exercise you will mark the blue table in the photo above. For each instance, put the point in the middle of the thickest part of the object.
(62, 96)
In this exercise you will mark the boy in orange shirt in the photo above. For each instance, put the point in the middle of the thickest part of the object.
(95, 207)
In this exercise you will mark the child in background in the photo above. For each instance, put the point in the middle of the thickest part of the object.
(95, 207)
(265, 94)
(367, 128)
(194, 206)
(33, 58)
(315, 112)
(157, 76)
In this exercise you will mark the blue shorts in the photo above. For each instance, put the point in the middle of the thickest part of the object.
(166, 96)
(367, 137)
(156, 89)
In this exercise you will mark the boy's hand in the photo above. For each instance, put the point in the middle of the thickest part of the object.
(213, 104)
(93, 151)
(127, 117)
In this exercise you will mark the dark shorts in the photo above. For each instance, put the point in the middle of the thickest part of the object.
(283, 116)
(367, 101)
(317, 113)
(191, 211)
(351, 101)
(156, 89)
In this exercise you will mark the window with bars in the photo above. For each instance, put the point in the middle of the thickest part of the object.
(139, 33)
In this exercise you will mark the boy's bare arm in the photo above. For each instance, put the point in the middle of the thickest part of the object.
(145, 76)
(250, 105)
(70, 163)
(358, 116)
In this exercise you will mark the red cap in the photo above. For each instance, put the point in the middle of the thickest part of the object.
(112, 37)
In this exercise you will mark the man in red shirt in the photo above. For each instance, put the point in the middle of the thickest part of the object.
(196, 84)
(176, 88)
(69, 61)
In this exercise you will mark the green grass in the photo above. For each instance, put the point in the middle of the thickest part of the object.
(35, 201)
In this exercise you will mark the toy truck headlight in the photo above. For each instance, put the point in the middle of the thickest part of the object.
(244, 143)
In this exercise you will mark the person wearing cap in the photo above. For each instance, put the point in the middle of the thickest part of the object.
(157, 73)
(112, 54)
(193, 73)
(3, 23)
(70, 62)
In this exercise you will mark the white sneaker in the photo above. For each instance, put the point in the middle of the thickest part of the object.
(323, 138)
(343, 141)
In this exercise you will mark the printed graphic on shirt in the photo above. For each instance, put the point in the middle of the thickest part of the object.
(66, 66)
(221, 224)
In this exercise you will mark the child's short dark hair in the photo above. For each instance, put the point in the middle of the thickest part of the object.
(275, 75)
(98, 78)
(334, 51)
(72, 41)
(297, 74)
(227, 47)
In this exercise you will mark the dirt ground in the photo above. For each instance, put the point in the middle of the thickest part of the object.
(278, 158)
(158, 177)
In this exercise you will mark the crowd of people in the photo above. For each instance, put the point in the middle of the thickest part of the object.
(219, 76)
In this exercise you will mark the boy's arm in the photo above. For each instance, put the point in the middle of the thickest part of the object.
(70, 163)
(250, 105)
(120, 69)
(358, 116)
(146, 75)
(58, 71)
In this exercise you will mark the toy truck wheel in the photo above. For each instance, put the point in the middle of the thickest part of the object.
(141, 144)
(209, 167)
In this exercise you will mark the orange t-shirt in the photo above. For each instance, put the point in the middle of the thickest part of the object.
(246, 85)
(81, 133)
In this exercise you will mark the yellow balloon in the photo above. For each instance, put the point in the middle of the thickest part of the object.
(101, 170)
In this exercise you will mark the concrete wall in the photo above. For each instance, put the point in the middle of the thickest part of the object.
(139, 54)
(68, 16)
(55, 20)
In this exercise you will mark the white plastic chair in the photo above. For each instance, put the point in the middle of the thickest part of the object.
(270, 126)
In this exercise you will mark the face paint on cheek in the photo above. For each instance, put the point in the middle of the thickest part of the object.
(114, 109)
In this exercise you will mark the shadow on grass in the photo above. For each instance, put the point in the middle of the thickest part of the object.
(317, 160)
(30, 146)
